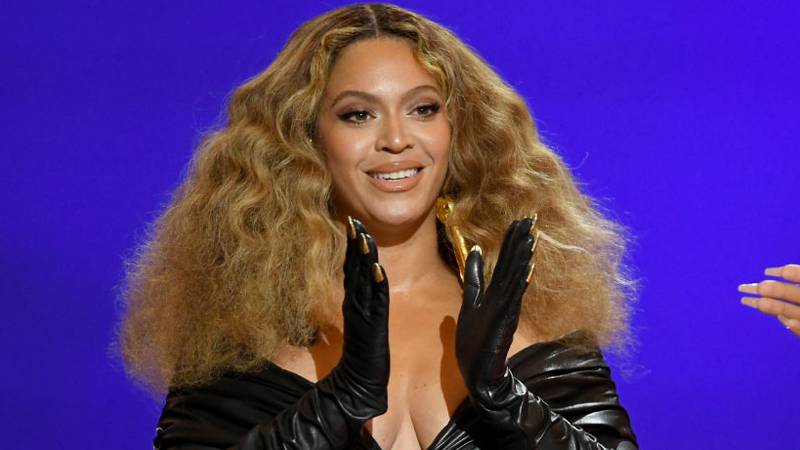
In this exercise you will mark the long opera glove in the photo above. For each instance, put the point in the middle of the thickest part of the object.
(332, 414)
(516, 417)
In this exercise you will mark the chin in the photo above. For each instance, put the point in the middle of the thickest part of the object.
(399, 216)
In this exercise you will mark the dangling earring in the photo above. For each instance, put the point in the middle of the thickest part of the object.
(444, 206)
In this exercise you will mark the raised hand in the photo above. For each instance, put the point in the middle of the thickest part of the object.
(515, 418)
(777, 298)
(489, 316)
(364, 365)
(331, 415)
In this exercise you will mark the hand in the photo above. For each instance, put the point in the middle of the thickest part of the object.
(514, 417)
(489, 318)
(777, 298)
(331, 415)
(365, 356)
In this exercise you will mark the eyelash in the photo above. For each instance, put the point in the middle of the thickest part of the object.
(432, 109)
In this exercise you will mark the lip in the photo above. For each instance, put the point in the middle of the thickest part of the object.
(406, 184)
(394, 166)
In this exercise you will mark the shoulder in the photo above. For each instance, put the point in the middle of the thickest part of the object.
(218, 413)
(567, 353)
(576, 383)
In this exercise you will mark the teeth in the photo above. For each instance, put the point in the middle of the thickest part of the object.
(399, 175)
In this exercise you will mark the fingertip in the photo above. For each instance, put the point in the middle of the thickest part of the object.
(359, 227)
(351, 228)
(373, 247)
(750, 301)
(474, 259)
(527, 224)
(473, 275)
(530, 273)
(377, 273)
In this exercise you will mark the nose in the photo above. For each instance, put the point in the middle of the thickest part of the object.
(393, 137)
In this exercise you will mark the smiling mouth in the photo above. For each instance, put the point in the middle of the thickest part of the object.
(397, 175)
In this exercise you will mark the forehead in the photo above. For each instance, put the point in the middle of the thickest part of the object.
(378, 65)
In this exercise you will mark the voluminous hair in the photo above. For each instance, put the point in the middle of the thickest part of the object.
(242, 260)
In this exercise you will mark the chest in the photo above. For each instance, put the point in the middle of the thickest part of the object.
(425, 384)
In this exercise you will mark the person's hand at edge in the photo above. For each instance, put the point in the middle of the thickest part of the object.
(777, 298)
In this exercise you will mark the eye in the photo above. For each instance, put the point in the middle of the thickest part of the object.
(357, 116)
(427, 109)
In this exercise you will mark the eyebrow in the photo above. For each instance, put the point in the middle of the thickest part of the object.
(369, 97)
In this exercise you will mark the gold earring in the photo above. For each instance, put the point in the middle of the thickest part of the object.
(444, 206)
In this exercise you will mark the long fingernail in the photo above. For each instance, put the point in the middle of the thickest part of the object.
(750, 301)
(364, 244)
(749, 288)
(774, 271)
(377, 273)
(476, 248)
(535, 242)
(351, 228)
(530, 272)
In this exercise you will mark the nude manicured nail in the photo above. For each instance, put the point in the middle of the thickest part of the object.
(749, 288)
(774, 271)
(351, 228)
(750, 301)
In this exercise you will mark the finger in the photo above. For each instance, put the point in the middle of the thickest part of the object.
(792, 325)
(773, 289)
(508, 239)
(358, 273)
(773, 307)
(523, 266)
(350, 258)
(514, 269)
(523, 249)
(380, 289)
(790, 272)
(368, 259)
(351, 228)
(502, 271)
(473, 278)
(533, 261)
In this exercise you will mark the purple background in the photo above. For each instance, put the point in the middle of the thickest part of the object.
(680, 116)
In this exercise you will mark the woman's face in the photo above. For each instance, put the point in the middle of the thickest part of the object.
(384, 132)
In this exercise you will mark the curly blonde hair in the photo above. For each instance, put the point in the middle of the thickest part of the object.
(243, 258)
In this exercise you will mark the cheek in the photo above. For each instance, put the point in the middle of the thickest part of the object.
(341, 167)
(336, 148)
(440, 142)
(343, 162)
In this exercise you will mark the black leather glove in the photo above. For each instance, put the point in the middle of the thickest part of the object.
(331, 415)
(517, 418)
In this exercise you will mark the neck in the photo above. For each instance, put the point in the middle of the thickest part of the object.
(410, 255)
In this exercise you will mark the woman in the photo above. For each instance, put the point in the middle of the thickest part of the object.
(239, 304)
